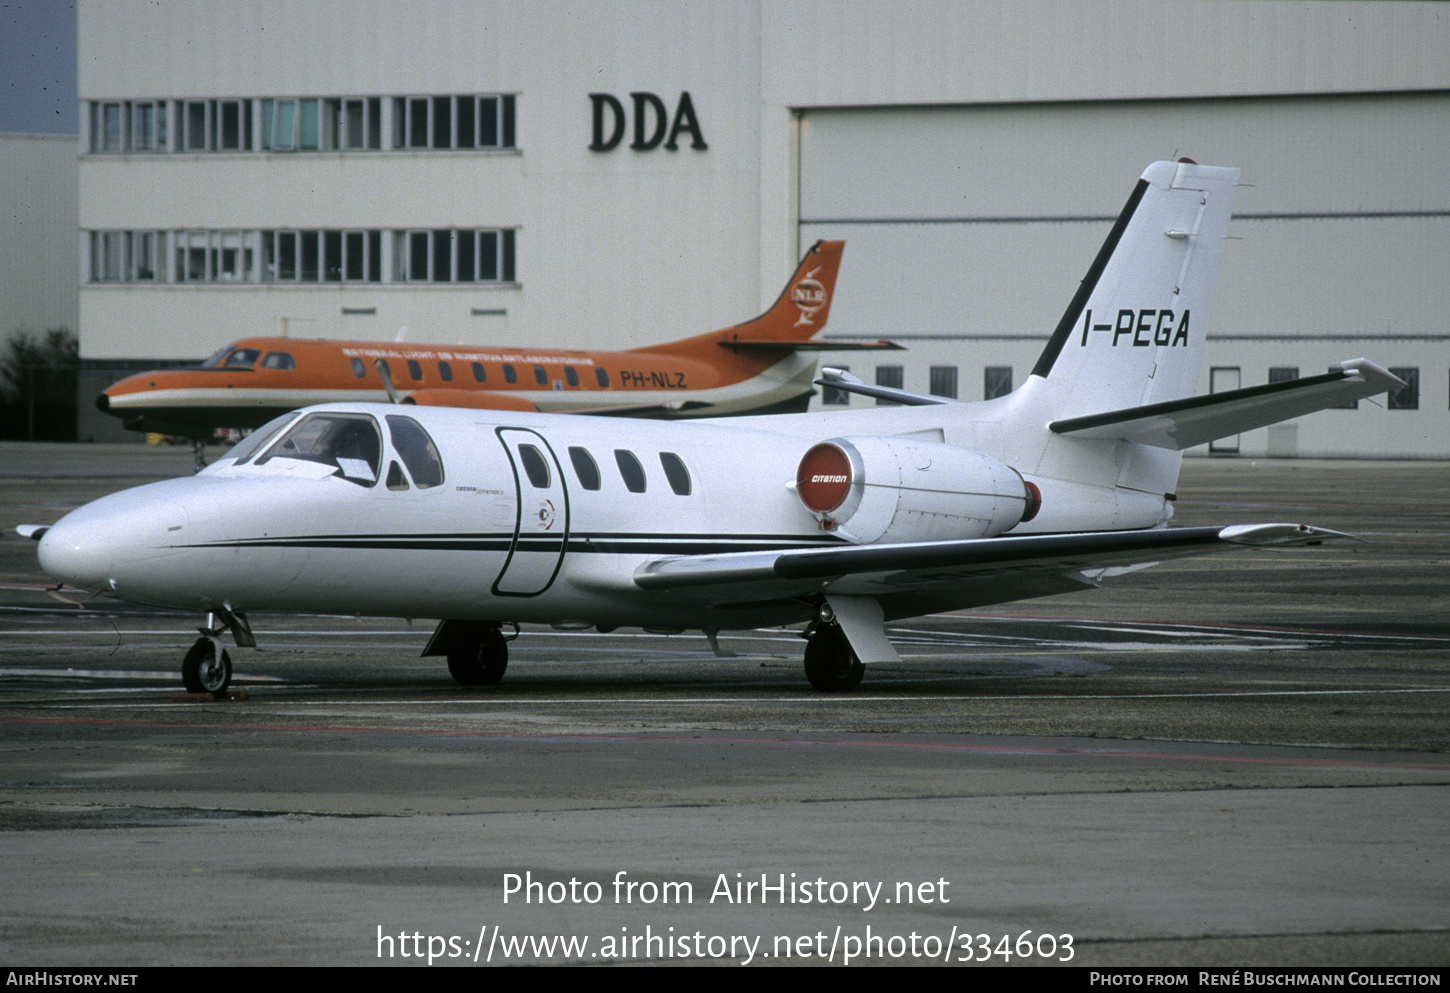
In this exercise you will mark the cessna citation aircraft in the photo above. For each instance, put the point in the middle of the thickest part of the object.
(841, 520)
(762, 366)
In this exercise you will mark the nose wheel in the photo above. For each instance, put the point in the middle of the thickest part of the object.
(207, 668)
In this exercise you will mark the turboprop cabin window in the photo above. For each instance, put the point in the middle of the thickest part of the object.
(349, 442)
(359, 370)
(279, 360)
(419, 453)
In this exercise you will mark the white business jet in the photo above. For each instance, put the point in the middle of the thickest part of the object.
(841, 520)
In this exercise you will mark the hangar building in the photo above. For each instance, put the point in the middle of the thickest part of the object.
(616, 173)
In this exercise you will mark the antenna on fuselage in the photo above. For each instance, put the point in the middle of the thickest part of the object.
(387, 377)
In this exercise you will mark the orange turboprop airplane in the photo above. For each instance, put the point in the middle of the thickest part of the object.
(757, 367)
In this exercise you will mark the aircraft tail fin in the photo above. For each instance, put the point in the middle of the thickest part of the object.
(798, 313)
(804, 306)
(1134, 332)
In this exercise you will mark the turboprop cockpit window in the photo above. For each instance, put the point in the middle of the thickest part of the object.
(419, 453)
(242, 358)
(350, 442)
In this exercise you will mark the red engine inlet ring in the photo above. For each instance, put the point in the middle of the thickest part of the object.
(823, 478)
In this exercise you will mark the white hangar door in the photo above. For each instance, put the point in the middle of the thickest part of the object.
(978, 222)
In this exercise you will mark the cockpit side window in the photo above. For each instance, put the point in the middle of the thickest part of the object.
(242, 358)
(348, 441)
(279, 360)
(419, 453)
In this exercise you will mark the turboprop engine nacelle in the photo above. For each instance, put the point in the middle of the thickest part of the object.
(903, 489)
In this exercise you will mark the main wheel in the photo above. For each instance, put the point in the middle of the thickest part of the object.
(483, 663)
(207, 668)
(831, 663)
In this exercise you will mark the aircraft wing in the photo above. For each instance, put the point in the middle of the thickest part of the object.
(1182, 424)
(926, 577)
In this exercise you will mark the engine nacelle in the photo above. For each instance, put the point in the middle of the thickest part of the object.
(902, 489)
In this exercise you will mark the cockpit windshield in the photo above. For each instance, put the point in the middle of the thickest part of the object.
(350, 442)
(253, 442)
(236, 358)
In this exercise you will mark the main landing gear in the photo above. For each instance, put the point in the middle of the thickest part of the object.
(831, 663)
(477, 651)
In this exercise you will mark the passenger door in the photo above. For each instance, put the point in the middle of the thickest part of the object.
(541, 527)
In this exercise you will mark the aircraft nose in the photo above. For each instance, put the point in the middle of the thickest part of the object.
(94, 547)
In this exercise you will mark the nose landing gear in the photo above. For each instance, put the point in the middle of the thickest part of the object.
(206, 667)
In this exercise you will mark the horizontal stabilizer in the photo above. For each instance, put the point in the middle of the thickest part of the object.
(1181, 424)
(33, 531)
(842, 380)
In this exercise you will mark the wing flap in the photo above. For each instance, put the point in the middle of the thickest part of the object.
(1181, 424)
(918, 577)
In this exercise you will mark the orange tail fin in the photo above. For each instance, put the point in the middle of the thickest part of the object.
(799, 313)
(803, 307)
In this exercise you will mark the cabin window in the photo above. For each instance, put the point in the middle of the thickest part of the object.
(414, 369)
(602, 375)
(348, 441)
(479, 375)
(419, 453)
(445, 372)
(540, 376)
(242, 358)
(509, 376)
(359, 370)
(535, 466)
(279, 360)
(676, 473)
(585, 468)
(570, 376)
(630, 470)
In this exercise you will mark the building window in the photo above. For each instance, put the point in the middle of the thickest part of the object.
(833, 397)
(1407, 397)
(453, 122)
(454, 256)
(996, 381)
(282, 124)
(944, 381)
(892, 376)
(1283, 373)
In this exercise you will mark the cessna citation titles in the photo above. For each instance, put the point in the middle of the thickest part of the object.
(761, 366)
(841, 520)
